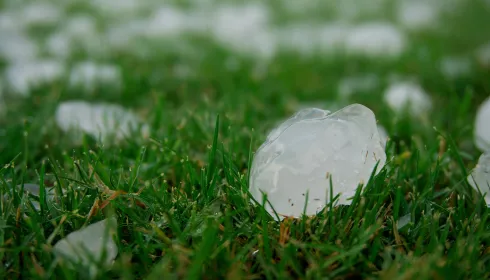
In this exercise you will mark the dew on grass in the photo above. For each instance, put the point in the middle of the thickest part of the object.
(89, 246)
(482, 129)
(479, 178)
(407, 95)
(301, 155)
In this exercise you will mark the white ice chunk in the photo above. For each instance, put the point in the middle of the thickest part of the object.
(89, 75)
(376, 39)
(482, 127)
(480, 176)
(407, 95)
(89, 246)
(101, 121)
(23, 76)
(417, 14)
(299, 156)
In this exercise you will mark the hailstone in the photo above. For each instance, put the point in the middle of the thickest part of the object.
(408, 95)
(482, 129)
(90, 245)
(480, 176)
(294, 166)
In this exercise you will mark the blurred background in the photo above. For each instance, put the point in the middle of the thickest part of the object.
(255, 61)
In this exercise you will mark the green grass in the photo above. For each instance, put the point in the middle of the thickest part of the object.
(185, 210)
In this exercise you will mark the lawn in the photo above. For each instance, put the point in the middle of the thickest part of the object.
(178, 182)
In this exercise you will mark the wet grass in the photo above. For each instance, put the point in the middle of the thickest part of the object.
(181, 196)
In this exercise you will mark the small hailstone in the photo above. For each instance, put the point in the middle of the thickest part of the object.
(41, 13)
(89, 75)
(308, 39)
(417, 14)
(376, 39)
(89, 246)
(480, 176)
(454, 67)
(244, 29)
(409, 95)
(301, 155)
(34, 190)
(351, 85)
(98, 120)
(16, 46)
(483, 55)
(482, 127)
(22, 77)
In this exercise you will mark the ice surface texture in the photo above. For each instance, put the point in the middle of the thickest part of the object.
(480, 176)
(298, 157)
(93, 243)
(482, 128)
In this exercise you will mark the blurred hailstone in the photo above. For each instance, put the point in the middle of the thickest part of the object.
(89, 75)
(417, 14)
(244, 29)
(41, 13)
(101, 121)
(355, 84)
(483, 55)
(455, 67)
(408, 95)
(23, 76)
(376, 39)
(479, 178)
(482, 127)
(89, 246)
(16, 46)
(299, 156)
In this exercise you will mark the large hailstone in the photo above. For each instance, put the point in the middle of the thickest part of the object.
(89, 246)
(300, 155)
(482, 129)
(480, 177)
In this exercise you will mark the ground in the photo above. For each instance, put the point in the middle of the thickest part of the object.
(180, 194)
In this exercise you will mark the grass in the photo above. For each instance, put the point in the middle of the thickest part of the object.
(181, 197)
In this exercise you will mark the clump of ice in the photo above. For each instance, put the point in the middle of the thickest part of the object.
(482, 127)
(90, 246)
(408, 95)
(89, 75)
(455, 67)
(24, 76)
(417, 14)
(376, 39)
(101, 121)
(300, 156)
(479, 178)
